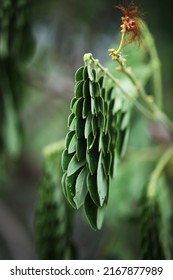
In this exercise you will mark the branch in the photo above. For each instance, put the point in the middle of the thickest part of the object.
(141, 100)
(157, 171)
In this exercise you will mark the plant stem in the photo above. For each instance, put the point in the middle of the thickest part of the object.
(157, 171)
(155, 64)
(121, 43)
(89, 58)
(146, 100)
(143, 102)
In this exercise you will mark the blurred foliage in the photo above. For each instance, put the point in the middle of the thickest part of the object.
(36, 85)
(150, 220)
(53, 218)
(16, 44)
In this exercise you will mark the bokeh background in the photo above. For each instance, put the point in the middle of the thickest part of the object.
(60, 32)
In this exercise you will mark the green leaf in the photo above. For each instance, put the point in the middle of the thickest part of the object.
(91, 212)
(79, 89)
(106, 116)
(107, 160)
(92, 156)
(94, 214)
(77, 109)
(74, 165)
(125, 121)
(70, 119)
(72, 144)
(125, 142)
(68, 138)
(94, 89)
(73, 101)
(112, 122)
(79, 74)
(64, 184)
(100, 81)
(86, 108)
(90, 73)
(109, 94)
(70, 188)
(90, 141)
(66, 158)
(106, 141)
(102, 184)
(118, 104)
(122, 141)
(111, 107)
(94, 125)
(101, 121)
(92, 188)
(86, 90)
(79, 127)
(80, 188)
(85, 73)
(73, 124)
(80, 149)
(100, 216)
(100, 104)
(100, 141)
(103, 93)
(120, 116)
(93, 109)
(88, 126)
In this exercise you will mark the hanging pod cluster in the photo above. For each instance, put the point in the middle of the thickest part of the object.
(151, 244)
(16, 45)
(16, 40)
(97, 130)
(53, 218)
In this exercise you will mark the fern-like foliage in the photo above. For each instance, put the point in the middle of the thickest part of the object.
(53, 220)
(16, 45)
(152, 247)
(98, 128)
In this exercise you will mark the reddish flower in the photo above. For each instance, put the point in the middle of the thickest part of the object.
(131, 21)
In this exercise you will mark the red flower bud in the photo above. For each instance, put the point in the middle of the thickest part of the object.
(131, 21)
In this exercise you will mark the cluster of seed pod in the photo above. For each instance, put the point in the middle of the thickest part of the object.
(16, 39)
(16, 45)
(53, 218)
(97, 130)
(151, 245)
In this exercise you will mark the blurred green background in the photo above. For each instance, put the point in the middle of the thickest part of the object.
(62, 31)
